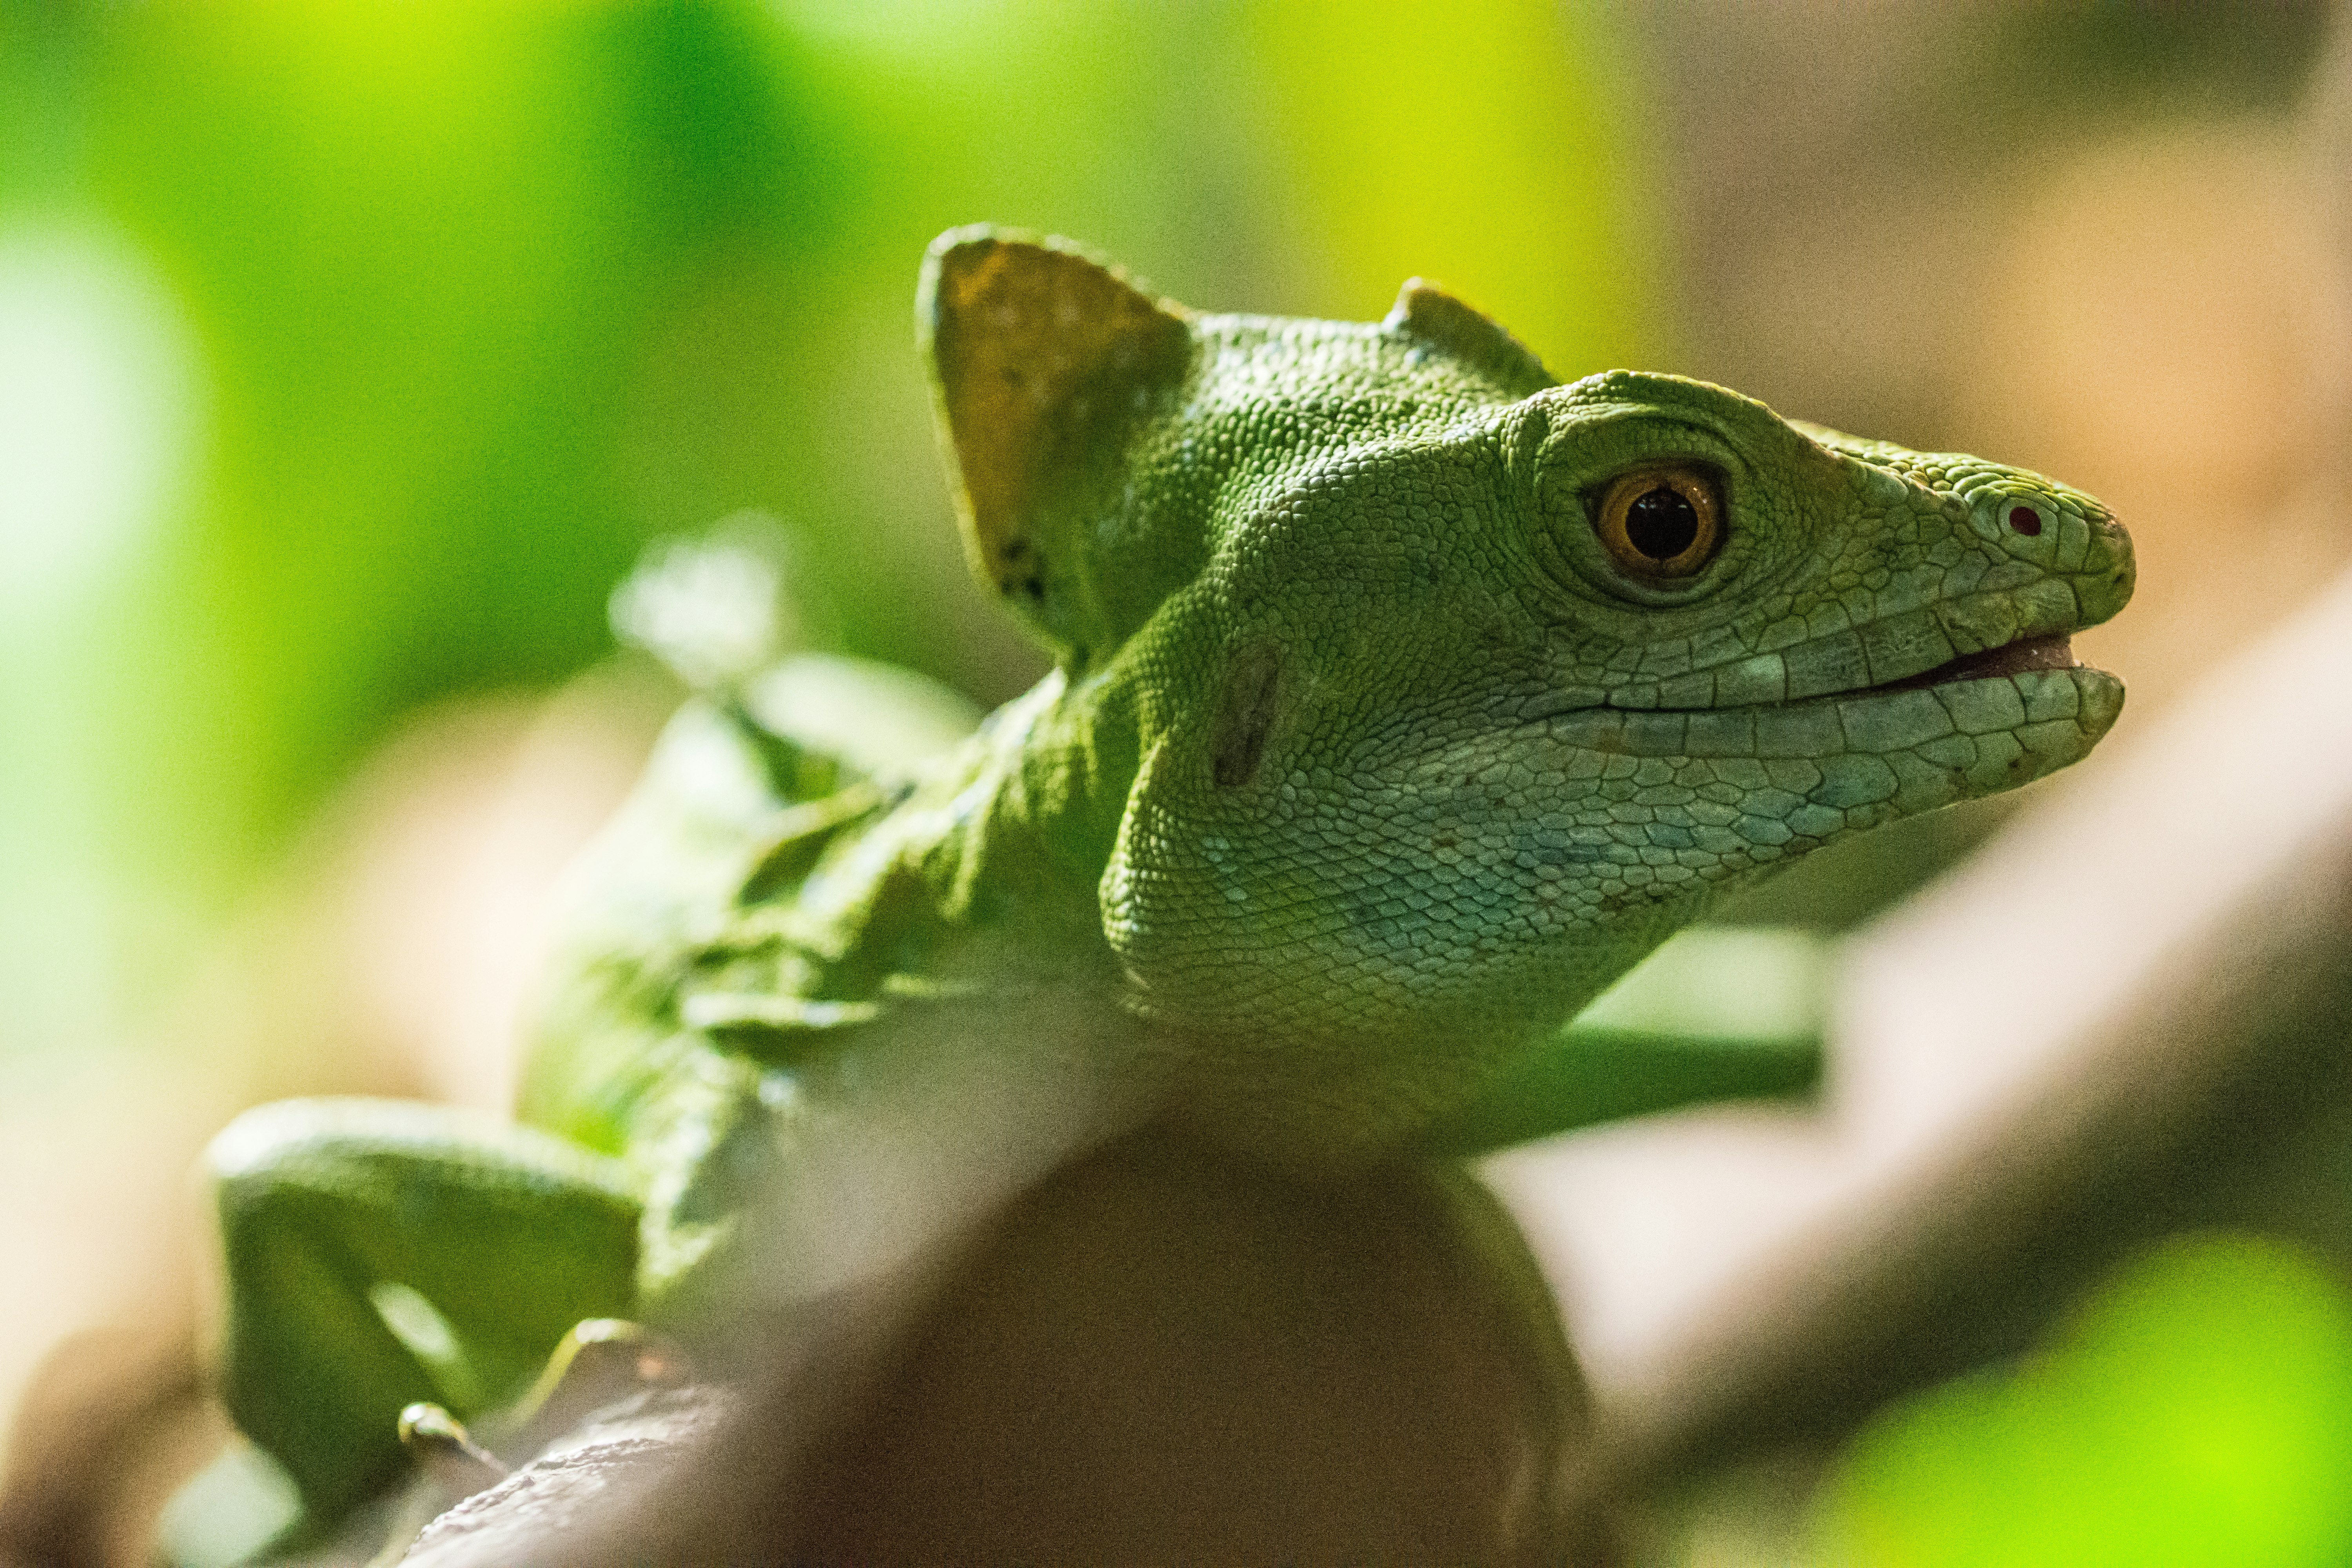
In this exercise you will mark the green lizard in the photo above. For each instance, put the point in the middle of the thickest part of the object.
(1404, 698)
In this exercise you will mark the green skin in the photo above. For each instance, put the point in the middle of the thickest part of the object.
(1365, 766)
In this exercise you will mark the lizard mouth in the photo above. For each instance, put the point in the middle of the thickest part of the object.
(2055, 651)
(2054, 697)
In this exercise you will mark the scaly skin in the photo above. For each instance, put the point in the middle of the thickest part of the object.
(1366, 764)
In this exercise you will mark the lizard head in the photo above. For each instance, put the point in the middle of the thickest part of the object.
(1450, 690)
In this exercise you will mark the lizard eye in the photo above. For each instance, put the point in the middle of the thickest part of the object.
(1661, 522)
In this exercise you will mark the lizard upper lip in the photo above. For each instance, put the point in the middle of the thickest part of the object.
(2050, 651)
(2054, 651)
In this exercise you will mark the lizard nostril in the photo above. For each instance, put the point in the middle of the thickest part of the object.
(2024, 520)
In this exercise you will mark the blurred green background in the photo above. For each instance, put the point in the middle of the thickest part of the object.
(351, 352)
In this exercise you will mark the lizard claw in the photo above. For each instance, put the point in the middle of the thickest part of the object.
(447, 1452)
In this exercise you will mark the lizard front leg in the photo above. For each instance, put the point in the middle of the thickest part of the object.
(380, 1254)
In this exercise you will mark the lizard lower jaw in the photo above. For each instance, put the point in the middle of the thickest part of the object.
(2055, 651)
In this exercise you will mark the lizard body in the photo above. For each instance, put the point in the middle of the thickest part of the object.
(1404, 699)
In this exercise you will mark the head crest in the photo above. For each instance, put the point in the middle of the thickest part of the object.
(1427, 313)
(1042, 357)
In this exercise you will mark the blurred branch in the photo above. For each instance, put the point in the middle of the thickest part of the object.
(1159, 1355)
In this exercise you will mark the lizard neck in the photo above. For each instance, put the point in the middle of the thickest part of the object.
(1033, 805)
(982, 873)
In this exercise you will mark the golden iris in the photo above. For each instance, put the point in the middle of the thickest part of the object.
(1659, 523)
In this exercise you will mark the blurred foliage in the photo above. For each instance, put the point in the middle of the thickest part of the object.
(2196, 1409)
(470, 300)
(418, 244)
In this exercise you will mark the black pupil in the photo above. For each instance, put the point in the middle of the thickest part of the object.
(1661, 523)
